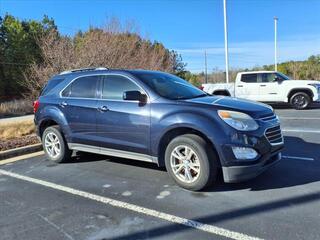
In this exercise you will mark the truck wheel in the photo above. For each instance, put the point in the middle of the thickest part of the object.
(221, 93)
(300, 100)
(54, 145)
(191, 162)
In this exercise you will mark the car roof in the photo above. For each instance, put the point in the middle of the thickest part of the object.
(86, 71)
(252, 72)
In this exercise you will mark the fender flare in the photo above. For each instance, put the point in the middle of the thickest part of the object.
(303, 89)
(203, 124)
(52, 113)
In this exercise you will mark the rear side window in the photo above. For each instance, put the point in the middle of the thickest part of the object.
(249, 78)
(114, 86)
(51, 85)
(84, 87)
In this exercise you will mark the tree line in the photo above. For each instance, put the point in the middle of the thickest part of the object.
(307, 69)
(299, 70)
(33, 51)
(19, 49)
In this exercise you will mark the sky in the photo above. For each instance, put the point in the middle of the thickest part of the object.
(193, 26)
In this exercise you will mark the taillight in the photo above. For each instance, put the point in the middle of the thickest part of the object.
(201, 87)
(36, 106)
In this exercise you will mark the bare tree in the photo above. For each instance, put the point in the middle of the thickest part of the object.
(113, 46)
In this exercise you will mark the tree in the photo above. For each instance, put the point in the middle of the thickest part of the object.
(18, 49)
(2, 59)
(113, 46)
(195, 79)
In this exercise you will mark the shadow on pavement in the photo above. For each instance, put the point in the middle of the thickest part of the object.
(287, 173)
(220, 217)
(83, 157)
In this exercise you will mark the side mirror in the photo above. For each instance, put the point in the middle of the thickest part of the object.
(277, 79)
(134, 96)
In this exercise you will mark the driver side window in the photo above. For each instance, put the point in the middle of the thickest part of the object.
(268, 77)
(114, 86)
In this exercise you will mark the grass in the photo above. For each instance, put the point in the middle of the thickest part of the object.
(15, 108)
(16, 130)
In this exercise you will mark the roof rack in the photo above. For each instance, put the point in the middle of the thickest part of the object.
(82, 70)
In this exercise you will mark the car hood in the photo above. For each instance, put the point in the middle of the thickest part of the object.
(302, 82)
(254, 109)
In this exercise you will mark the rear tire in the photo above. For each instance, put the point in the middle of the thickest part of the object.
(300, 100)
(191, 162)
(54, 145)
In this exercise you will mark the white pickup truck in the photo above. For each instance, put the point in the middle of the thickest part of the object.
(270, 87)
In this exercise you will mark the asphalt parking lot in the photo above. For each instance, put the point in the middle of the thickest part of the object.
(98, 197)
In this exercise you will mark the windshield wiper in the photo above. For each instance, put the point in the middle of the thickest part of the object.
(201, 95)
(184, 98)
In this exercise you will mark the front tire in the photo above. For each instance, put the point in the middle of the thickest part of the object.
(54, 145)
(300, 100)
(191, 162)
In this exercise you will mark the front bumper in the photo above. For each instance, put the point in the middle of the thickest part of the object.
(316, 98)
(267, 141)
(234, 174)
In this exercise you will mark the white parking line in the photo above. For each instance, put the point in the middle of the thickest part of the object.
(300, 130)
(135, 208)
(299, 158)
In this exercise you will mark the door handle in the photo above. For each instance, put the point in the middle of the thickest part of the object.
(240, 86)
(63, 104)
(263, 85)
(103, 109)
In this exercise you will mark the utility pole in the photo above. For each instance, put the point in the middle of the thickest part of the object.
(275, 43)
(205, 66)
(226, 39)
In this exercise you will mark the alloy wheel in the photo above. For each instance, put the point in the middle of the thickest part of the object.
(52, 145)
(300, 101)
(185, 164)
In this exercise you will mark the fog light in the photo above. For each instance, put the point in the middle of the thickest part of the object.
(244, 153)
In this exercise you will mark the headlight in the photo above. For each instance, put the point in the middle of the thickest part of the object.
(238, 120)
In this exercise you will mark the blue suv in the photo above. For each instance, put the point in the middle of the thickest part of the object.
(157, 117)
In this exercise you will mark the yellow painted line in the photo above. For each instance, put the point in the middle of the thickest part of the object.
(22, 157)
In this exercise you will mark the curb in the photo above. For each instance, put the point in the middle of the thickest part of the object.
(20, 151)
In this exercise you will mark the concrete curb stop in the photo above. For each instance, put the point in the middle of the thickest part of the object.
(20, 151)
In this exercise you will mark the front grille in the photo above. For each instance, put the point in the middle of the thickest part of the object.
(274, 135)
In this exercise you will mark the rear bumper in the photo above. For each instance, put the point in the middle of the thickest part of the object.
(37, 127)
(234, 174)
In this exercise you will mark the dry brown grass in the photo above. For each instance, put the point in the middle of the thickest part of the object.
(16, 129)
(15, 107)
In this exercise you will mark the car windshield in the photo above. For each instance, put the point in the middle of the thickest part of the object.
(169, 86)
(282, 76)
